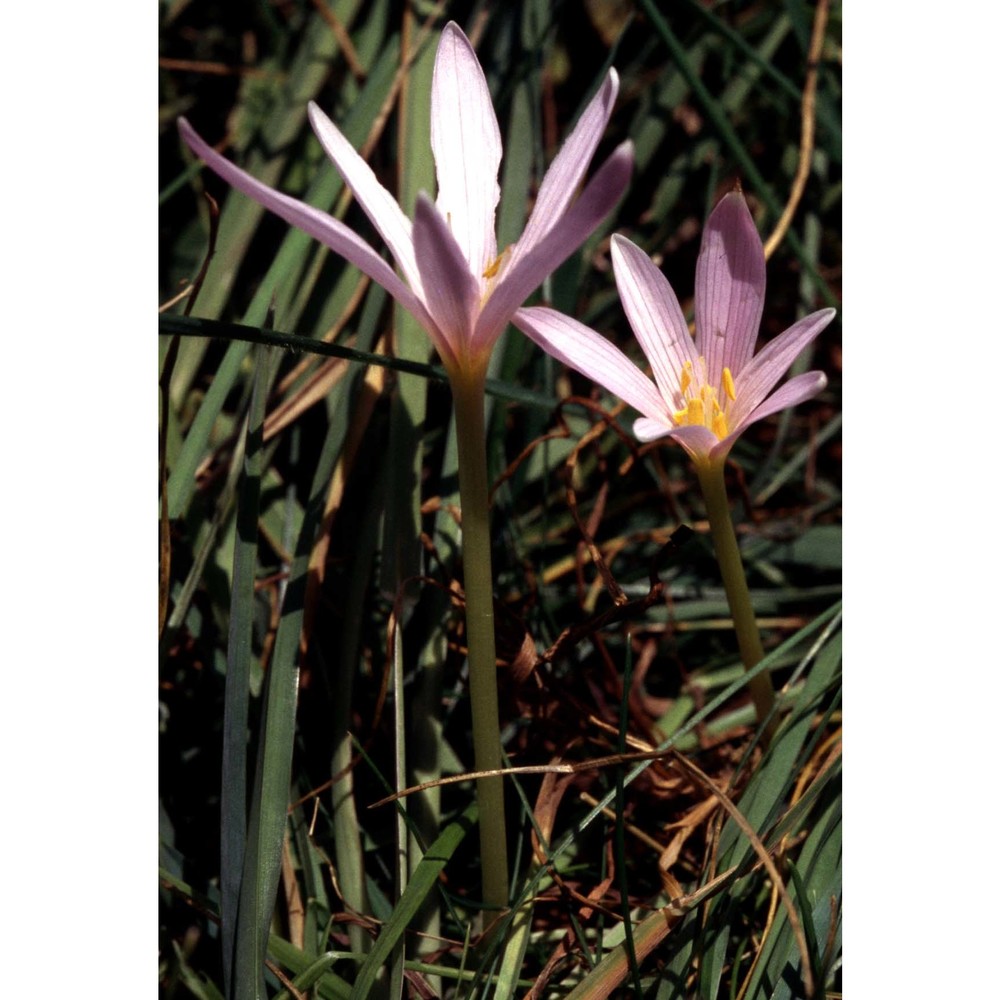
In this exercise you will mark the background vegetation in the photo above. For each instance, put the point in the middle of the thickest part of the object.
(310, 546)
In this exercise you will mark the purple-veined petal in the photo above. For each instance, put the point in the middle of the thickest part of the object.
(592, 355)
(451, 293)
(729, 288)
(329, 231)
(793, 392)
(377, 203)
(518, 281)
(568, 168)
(767, 368)
(465, 139)
(654, 314)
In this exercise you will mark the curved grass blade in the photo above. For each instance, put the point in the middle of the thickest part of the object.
(423, 881)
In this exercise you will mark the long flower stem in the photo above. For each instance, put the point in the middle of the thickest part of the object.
(727, 552)
(473, 485)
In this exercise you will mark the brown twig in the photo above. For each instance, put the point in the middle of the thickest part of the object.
(807, 140)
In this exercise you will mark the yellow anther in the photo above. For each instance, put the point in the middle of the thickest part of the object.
(728, 384)
(491, 271)
(719, 427)
(696, 412)
(681, 417)
(686, 378)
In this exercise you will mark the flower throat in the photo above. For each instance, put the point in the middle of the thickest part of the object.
(702, 406)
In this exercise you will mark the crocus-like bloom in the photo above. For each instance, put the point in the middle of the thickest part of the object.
(706, 393)
(453, 281)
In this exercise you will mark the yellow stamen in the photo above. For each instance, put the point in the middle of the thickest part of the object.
(686, 378)
(728, 384)
(705, 404)
(493, 269)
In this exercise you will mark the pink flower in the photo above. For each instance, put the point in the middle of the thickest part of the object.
(453, 281)
(705, 393)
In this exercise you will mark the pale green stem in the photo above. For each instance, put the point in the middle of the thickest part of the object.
(473, 484)
(727, 552)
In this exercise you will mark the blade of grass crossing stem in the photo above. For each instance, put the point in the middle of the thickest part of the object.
(621, 857)
(194, 327)
(240, 653)
(262, 864)
(422, 882)
(288, 263)
(279, 126)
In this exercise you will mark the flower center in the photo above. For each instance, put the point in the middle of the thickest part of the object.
(705, 405)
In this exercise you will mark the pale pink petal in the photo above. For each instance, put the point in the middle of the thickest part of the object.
(697, 441)
(767, 368)
(649, 428)
(566, 171)
(586, 351)
(378, 204)
(654, 314)
(793, 392)
(465, 138)
(729, 288)
(451, 292)
(329, 231)
(518, 281)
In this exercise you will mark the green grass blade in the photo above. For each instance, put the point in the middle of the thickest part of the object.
(240, 655)
(423, 881)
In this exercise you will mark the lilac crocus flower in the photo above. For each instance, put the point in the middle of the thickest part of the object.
(706, 392)
(453, 281)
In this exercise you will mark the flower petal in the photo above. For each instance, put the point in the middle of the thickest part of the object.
(378, 204)
(793, 392)
(696, 440)
(465, 138)
(654, 314)
(595, 356)
(729, 287)
(450, 290)
(649, 429)
(769, 366)
(328, 230)
(518, 281)
(566, 171)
